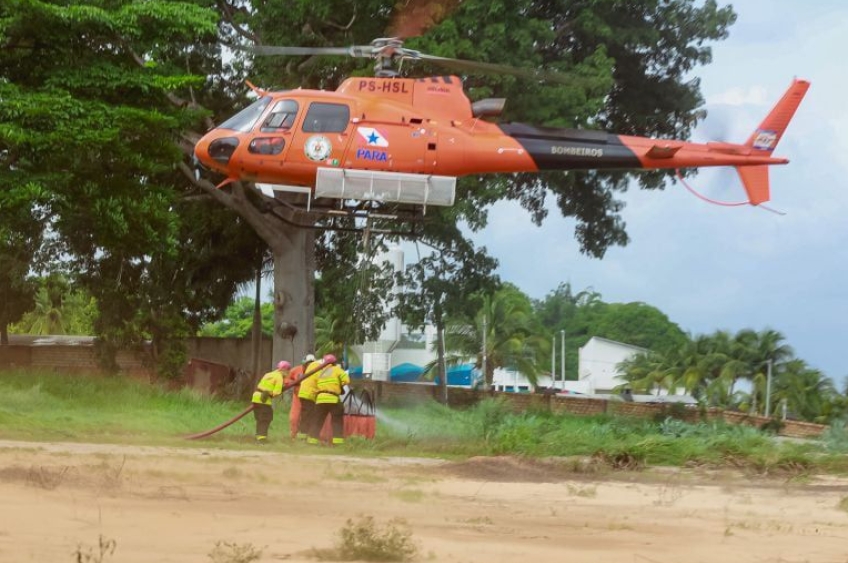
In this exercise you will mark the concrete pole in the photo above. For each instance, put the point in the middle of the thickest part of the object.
(562, 359)
(553, 360)
(768, 389)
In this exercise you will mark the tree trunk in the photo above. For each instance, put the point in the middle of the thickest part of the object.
(294, 294)
(293, 250)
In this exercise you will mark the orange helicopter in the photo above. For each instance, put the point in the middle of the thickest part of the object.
(407, 140)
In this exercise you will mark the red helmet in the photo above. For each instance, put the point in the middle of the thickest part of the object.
(329, 359)
(284, 365)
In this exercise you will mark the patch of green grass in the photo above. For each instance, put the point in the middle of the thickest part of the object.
(53, 407)
(843, 504)
(48, 406)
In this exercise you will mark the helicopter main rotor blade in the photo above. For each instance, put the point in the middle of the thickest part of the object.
(541, 75)
(352, 51)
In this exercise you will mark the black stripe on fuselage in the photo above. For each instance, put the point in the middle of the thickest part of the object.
(571, 149)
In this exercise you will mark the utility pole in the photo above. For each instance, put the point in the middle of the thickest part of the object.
(768, 389)
(553, 360)
(562, 359)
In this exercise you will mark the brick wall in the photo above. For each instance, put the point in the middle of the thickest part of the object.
(81, 357)
(15, 356)
(799, 429)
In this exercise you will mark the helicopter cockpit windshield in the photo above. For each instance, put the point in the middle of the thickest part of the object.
(281, 117)
(244, 120)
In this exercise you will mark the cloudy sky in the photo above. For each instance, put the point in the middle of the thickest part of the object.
(709, 267)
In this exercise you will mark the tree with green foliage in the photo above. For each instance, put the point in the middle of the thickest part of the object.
(730, 371)
(237, 321)
(22, 215)
(585, 314)
(97, 98)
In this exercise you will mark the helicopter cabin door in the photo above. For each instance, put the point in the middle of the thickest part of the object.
(322, 139)
(390, 147)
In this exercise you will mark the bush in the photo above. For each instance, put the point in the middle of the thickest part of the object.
(226, 552)
(363, 541)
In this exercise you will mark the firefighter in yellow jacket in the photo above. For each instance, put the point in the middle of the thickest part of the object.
(306, 394)
(270, 386)
(332, 382)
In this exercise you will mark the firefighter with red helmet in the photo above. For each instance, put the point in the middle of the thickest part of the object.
(332, 382)
(270, 386)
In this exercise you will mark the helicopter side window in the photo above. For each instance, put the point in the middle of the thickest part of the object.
(244, 120)
(326, 118)
(281, 117)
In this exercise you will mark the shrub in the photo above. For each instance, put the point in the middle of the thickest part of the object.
(363, 541)
(226, 552)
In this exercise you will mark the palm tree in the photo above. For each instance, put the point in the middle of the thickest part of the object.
(648, 372)
(760, 348)
(511, 335)
(46, 318)
(806, 391)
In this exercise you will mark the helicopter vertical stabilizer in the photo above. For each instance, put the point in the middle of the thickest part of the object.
(765, 138)
(768, 134)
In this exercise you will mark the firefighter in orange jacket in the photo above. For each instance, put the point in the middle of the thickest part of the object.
(270, 386)
(296, 427)
(331, 384)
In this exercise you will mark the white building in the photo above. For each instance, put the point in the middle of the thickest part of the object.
(598, 362)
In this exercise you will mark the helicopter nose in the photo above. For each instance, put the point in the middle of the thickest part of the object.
(215, 152)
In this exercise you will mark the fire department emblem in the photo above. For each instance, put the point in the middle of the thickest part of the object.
(318, 148)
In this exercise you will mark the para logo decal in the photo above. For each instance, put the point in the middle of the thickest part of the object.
(372, 154)
(372, 137)
(317, 147)
(765, 140)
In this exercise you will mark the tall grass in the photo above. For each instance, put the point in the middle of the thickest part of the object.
(44, 405)
(49, 406)
(490, 428)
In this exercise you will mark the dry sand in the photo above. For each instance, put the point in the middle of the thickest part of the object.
(173, 505)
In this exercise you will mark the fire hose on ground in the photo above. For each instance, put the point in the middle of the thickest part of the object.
(250, 408)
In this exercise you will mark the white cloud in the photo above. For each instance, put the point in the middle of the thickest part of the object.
(738, 96)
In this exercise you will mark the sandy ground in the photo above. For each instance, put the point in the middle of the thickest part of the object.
(57, 501)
